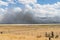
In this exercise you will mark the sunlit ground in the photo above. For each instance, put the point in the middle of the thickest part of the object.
(28, 32)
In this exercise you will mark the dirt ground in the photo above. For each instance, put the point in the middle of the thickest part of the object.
(29, 32)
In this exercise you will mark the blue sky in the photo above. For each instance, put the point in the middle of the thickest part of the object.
(42, 2)
(48, 1)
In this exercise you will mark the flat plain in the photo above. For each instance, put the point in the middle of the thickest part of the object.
(29, 32)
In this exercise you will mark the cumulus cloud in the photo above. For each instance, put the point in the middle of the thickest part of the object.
(27, 1)
(11, 1)
(7, 2)
(17, 9)
(37, 13)
(18, 17)
(2, 12)
(3, 3)
(51, 10)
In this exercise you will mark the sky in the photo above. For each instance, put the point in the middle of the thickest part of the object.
(47, 1)
(29, 11)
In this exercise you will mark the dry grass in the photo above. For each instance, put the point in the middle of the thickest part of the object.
(28, 32)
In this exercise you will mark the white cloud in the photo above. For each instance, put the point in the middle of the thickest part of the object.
(11, 1)
(27, 1)
(7, 3)
(2, 12)
(50, 10)
(3, 3)
(17, 9)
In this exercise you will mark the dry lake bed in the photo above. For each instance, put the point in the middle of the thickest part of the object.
(29, 32)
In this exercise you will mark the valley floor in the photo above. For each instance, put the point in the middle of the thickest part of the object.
(29, 32)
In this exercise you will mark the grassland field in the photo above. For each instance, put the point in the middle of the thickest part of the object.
(29, 32)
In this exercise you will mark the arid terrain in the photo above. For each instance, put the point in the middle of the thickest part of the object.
(29, 32)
